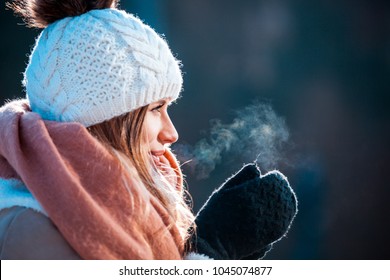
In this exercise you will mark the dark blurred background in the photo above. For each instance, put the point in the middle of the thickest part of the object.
(323, 66)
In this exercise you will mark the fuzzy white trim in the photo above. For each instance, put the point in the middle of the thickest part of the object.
(196, 256)
(13, 192)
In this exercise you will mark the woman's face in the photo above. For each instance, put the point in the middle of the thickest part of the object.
(159, 128)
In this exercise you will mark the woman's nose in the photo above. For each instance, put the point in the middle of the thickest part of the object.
(168, 133)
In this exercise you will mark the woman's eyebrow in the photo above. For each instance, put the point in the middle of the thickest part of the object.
(165, 101)
(158, 103)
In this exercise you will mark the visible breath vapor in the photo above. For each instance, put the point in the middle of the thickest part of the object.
(255, 134)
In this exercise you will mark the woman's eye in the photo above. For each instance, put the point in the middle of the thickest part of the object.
(158, 108)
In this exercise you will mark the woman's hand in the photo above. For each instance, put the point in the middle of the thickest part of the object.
(164, 166)
(245, 215)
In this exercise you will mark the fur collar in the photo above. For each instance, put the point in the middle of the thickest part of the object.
(14, 193)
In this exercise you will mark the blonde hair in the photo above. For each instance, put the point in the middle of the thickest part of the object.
(126, 138)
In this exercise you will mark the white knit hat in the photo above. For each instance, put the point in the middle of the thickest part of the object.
(99, 65)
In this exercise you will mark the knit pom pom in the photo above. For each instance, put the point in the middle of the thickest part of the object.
(40, 13)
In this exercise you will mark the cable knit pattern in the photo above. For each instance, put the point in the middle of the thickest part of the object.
(97, 66)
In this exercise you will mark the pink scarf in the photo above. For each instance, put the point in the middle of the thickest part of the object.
(80, 185)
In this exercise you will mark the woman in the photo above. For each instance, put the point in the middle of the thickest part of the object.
(85, 166)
